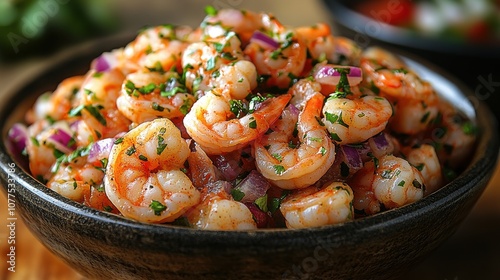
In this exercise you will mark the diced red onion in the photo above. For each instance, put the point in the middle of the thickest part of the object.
(180, 125)
(379, 145)
(294, 110)
(74, 125)
(105, 62)
(61, 138)
(352, 156)
(328, 74)
(264, 40)
(222, 188)
(100, 150)
(380, 141)
(18, 135)
(262, 219)
(229, 167)
(253, 186)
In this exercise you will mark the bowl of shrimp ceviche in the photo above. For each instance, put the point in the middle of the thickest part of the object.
(243, 148)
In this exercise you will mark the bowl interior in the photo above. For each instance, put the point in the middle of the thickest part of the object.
(77, 61)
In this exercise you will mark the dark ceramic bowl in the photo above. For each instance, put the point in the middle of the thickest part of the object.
(104, 246)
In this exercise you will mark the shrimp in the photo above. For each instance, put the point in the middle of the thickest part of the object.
(391, 182)
(41, 153)
(244, 23)
(279, 67)
(46, 144)
(238, 80)
(314, 207)
(356, 120)
(97, 104)
(143, 176)
(292, 165)
(57, 104)
(159, 47)
(74, 181)
(323, 46)
(202, 170)
(302, 91)
(347, 52)
(218, 211)
(453, 135)
(143, 97)
(320, 41)
(425, 159)
(80, 179)
(415, 101)
(212, 125)
(201, 61)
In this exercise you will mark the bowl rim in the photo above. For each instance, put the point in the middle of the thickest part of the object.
(482, 165)
(354, 21)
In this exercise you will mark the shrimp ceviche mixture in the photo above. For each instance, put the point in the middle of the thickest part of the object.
(244, 123)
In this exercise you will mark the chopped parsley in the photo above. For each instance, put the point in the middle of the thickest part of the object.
(130, 151)
(279, 169)
(157, 107)
(261, 202)
(276, 201)
(157, 207)
(237, 194)
(253, 123)
(80, 152)
(335, 137)
(333, 118)
(92, 109)
(211, 10)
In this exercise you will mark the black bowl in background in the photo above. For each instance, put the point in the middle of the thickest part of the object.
(475, 64)
(101, 245)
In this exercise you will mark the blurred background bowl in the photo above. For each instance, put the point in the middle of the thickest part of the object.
(442, 31)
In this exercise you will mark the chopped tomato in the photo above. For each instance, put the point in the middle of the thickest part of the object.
(479, 32)
(394, 12)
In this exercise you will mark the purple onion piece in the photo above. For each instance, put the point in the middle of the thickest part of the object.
(104, 62)
(264, 41)
(18, 135)
(355, 72)
(294, 110)
(228, 167)
(220, 187)
(100, 150)
(328, 74)
(101, 64)
(260, 217)
(74, 125)
(380, 145)
(380, 141)
(63, 137)
(352, 156)
(253, 186)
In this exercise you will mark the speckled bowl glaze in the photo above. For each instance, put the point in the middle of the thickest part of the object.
(104, 246)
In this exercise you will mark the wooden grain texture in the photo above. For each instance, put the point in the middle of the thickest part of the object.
(33, 261)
